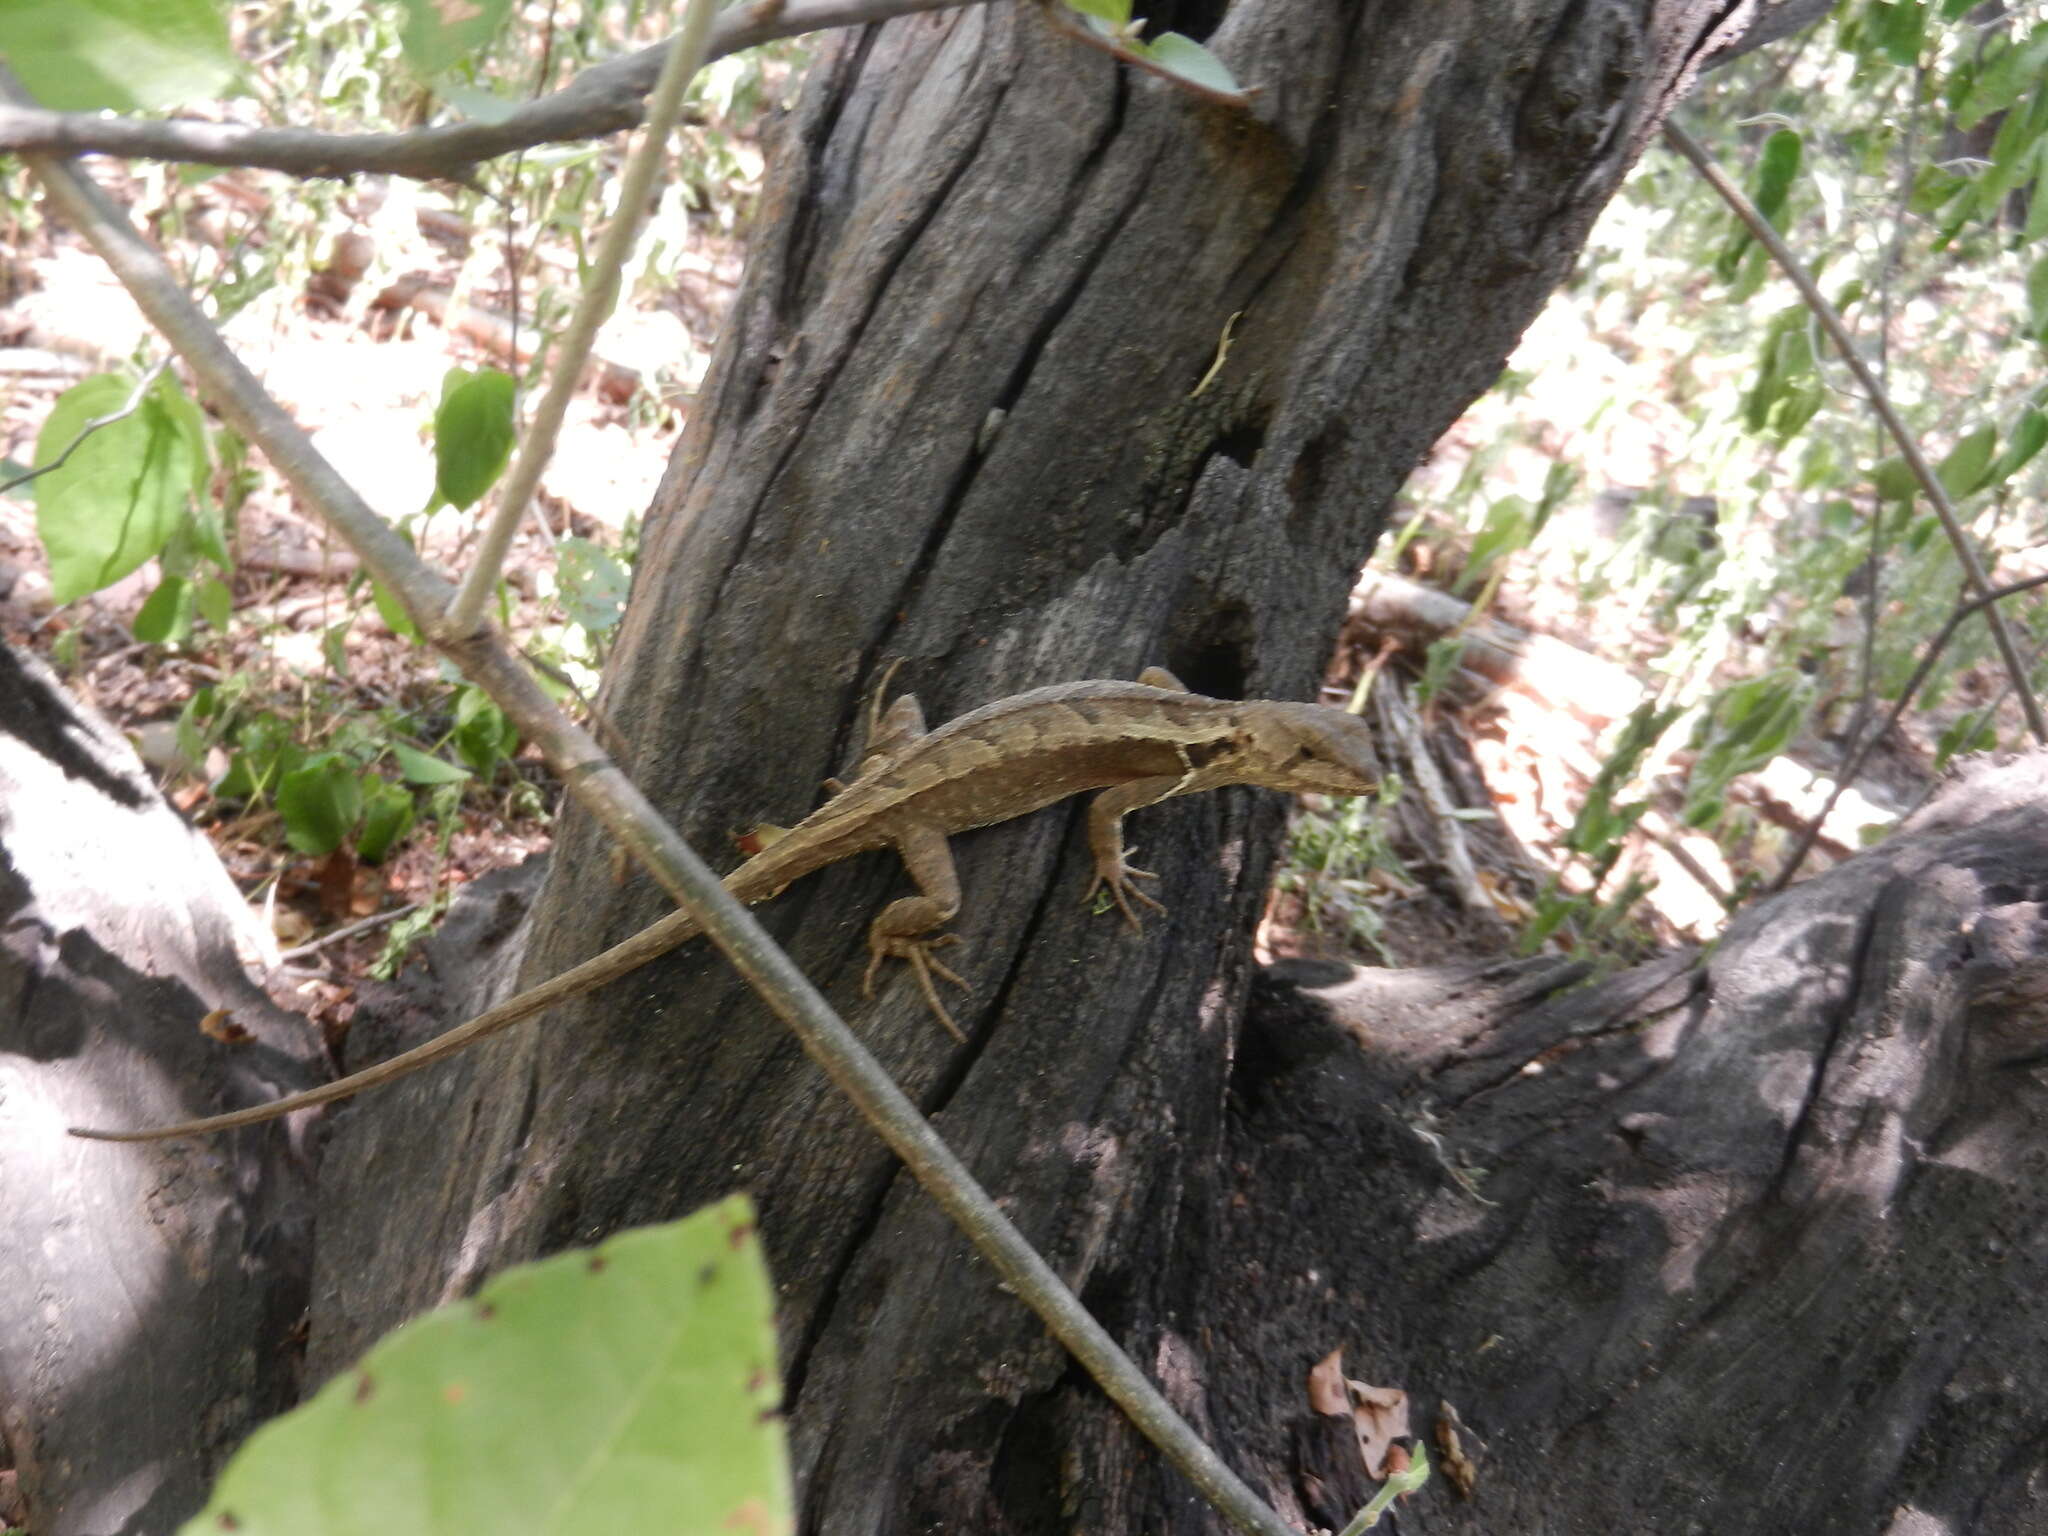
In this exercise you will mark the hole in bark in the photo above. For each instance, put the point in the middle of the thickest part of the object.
(1214, 663)
(1241, 444)
(1195, 18)
(1024, 1483)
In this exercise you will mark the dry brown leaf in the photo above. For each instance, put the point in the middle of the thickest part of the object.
(220, 1025)
(1458, 1468)
(1326, 1391)
(1380, 1414)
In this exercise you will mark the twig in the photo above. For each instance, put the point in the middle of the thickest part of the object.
(610, 796)
(1923, 472)
(1398, 716)
(600, 293)
(605, 99)
(128, 408)
(1864, 748)
(375, 920)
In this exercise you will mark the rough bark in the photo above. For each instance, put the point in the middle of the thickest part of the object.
(1761, 1245)
(146, 1293)
(965, 415)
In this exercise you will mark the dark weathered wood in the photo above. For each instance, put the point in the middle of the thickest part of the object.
(965, 415)
(1763, 1246)
(148, 1295)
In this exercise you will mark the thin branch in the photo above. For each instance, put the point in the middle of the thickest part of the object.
(605, 99)
(595, 781)
(1923, 472)
(1854, 764)
(128, 408)
(600, 293)
(374, 920)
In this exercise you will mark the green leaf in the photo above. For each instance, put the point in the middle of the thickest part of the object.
(116, 501)
(119, 55)
(2029, 436)
(2037, 298)
(1777, 168)
(418, 767)
(1965, 467)
(392, 612)
(483, 735)
(319, 801)
(592, 582)
(1506, 530)
(209, 532)
(1894, 480)
(1969, 733)
(473, 434)
(387, 816)
(440, 34)
(1116, 12)
(264, 749)
(1187, 58)
(216, 603)
(631, 1387)
(1900, 27)
(166, 614)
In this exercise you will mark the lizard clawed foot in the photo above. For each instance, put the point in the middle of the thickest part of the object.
(1122, 892)
(918, 953)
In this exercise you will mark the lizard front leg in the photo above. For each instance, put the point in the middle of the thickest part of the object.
(902, 929)
(1106, 815)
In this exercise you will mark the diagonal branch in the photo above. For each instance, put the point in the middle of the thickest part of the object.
(608, 98)
(1923, 472)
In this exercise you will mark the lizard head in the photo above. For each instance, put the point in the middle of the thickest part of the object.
(1310, 748)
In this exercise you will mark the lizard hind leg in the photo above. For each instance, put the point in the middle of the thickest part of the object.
(917, 953)
(903, 929)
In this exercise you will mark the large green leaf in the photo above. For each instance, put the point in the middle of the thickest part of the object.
(320, 801)
(628, 1388)
(119, 496)
(1968, 462)
(440, 34)
(123, 55)
(592, 582)
(473, 433)
(1191, 61)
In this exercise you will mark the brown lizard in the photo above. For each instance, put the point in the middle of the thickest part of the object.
(1139, 743)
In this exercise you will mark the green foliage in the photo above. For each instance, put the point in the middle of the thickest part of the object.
(483, 736)
(592, 583)
(630, 1387)
(1904, 164)
(473, 434)
(128, 484)
(321, 801)
(1173, 52)
(118, 55)
(1340, 863)
(440, 34)
(1397, 1485)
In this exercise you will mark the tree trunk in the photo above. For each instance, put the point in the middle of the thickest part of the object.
(1754, 1244)
(1041, 370)
(147, 1293)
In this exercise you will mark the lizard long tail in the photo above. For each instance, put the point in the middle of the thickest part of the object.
(657, 939)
